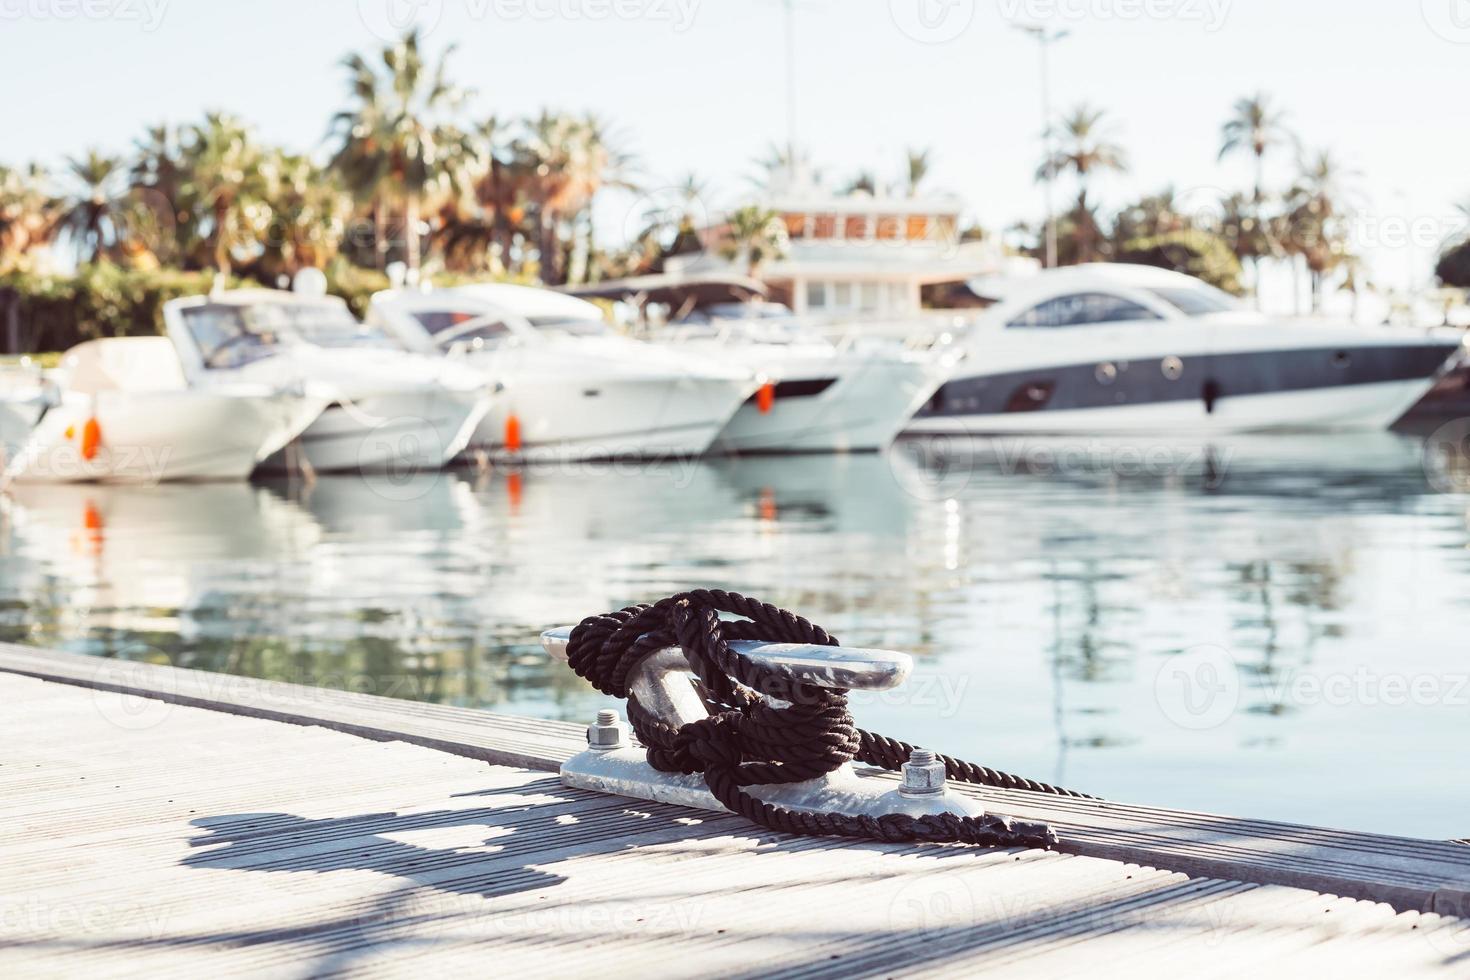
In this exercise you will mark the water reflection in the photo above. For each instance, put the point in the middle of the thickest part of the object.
(1051, 590)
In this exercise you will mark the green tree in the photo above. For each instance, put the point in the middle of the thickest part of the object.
(221, 188)
(1192, 251)
(397, 153)
(29, 215)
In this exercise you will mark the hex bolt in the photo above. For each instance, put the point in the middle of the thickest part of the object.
(923, 775)
(607, 732)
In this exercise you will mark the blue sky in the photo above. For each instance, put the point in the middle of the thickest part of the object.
(699, 85)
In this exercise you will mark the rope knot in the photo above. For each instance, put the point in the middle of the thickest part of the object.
(764, 726)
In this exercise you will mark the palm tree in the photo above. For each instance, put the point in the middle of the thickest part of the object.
(752, 236)
(862, 182)
(308, 213)
(154, 217)
(1257, 127)
(485, 228)
(779, 167)
(396, 151)
(221, 187)
(1314, 219)
(567, 160)
(29, 215)
(1085, 149)
(919, 162)
(88, 220)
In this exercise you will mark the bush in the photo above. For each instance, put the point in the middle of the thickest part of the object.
(1192, 252)
(57, 312)
(1453, 268)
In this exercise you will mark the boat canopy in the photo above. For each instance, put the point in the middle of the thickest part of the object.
(681, 294)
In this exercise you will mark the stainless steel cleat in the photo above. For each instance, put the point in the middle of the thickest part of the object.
(664, 686)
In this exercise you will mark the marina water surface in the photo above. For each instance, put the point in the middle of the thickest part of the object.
(1277, 627)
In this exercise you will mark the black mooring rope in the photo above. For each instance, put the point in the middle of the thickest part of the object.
(747, 741)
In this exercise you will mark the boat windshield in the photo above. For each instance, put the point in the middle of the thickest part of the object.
(449, 326)
(1198, 300)
(740, 311)
(570, 327)
(229, 334)
(326, 325)
(1081, 309)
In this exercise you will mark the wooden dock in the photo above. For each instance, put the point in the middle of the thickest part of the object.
(169, 822)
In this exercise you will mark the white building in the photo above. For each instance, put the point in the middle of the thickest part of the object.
(860, 254)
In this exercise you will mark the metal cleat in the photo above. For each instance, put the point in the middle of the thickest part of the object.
(665, 687)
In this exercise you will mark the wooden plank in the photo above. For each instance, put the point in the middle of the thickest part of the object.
(1406, 873)
(214, 844)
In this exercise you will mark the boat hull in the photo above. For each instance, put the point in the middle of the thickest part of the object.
(612, 418)
(1328, 388)
(422, 428)
(858, 407)
(160, 436)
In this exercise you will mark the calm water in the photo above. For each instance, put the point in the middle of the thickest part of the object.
(1270, 627)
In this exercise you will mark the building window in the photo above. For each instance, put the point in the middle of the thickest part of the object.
(825, 226)
(918, 227)
(887, 227)
(795, 224)
(856, 226)
(898, 296)
(842, 295)
(868, 302)
(816, 295)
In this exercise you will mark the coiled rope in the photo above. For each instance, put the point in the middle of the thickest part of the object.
(748, 741)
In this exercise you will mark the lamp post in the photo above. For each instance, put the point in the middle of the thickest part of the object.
(1045, 39)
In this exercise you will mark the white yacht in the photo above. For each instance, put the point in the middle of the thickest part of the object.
(573, 387)
(820, 396)
(1120, 348)
(387, 408)
(122, 411)
(25, 395)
